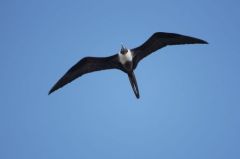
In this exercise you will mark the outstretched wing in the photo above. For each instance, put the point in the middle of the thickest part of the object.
(159, 40)
(87, 65)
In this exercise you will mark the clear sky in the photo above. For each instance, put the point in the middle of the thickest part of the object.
(190, 95)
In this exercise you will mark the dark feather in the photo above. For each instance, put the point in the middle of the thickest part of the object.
(134, 85)
(87, 65)
(159, 40)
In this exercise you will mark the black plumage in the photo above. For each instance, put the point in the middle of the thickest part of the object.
(159, 40)
(91, 64)
(87, 65)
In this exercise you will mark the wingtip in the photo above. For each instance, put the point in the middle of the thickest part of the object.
(205, 42)
(50, 92)
(200, 41)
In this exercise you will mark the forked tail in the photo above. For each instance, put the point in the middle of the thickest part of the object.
(134, 85)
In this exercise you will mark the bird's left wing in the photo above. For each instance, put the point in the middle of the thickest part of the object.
(87, 65)
(159, 40)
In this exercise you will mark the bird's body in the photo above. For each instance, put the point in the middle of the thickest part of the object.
(126, 60)
(127, 57)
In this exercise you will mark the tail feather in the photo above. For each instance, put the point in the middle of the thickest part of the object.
(134, 85)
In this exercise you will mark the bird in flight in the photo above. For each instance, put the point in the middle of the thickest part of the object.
(125, 60)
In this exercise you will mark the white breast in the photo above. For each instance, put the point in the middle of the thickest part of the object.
(126, 57)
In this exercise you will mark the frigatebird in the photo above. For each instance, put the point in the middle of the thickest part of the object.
(125, 60)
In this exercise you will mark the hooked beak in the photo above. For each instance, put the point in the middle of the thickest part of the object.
(123, 49)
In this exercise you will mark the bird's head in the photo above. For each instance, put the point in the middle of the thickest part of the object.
(123, 50)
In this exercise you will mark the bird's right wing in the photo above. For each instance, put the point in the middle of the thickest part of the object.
(159, 40)
(87, 65)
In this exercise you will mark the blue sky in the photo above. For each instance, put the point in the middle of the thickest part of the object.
(190, 98)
